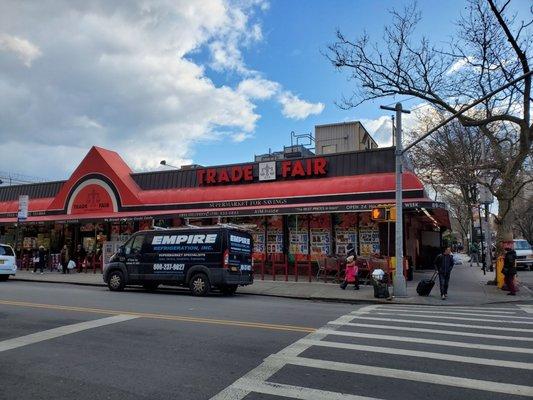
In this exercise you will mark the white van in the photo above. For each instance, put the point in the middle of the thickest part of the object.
(524, 254)
(8, 262)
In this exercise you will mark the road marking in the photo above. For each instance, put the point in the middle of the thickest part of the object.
(499, 310)
(409, 339)
(295, 392)
(455, 381)
(181, 318)
(412, 321)
(432, 312)
(406, 314)
(421, 354)
(272, 365)
(442, 332)
(527, 308)
(21, 341)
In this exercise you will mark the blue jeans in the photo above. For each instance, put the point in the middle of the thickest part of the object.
(444, 279)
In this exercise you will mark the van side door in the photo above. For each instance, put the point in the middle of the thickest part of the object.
(133, 256)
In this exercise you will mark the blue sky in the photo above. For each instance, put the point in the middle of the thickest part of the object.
(295, 33)
(209, 82)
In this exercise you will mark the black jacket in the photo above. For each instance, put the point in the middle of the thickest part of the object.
(42, 257)
(509, 263)
(444, 263)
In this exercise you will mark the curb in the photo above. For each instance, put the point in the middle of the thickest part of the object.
(311, 298)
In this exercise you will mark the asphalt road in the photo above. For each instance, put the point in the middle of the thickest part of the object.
(75, 342)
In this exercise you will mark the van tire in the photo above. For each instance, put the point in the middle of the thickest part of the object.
(4, 278)
(116, 282)
(229, 290)
(150, 286)
(199, 284)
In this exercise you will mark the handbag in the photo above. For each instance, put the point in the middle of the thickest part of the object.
(36, 260)
(71, 264)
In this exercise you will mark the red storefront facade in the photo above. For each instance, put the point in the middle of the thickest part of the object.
(305, 208)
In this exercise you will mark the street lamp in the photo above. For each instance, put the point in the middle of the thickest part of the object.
(164, 162)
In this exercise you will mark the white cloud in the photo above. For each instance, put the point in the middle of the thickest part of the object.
(258, 88)
(22, 48)
(120, 75)
(296, 108)
(381, 128)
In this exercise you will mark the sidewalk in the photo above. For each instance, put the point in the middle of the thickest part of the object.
(467, 287)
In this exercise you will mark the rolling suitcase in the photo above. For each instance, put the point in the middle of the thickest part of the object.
(426, 285)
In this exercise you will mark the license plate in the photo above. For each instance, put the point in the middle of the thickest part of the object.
(1, 261)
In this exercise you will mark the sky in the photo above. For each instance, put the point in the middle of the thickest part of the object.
(208, 82)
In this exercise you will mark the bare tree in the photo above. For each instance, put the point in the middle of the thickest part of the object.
(490, 49)
(523, 210)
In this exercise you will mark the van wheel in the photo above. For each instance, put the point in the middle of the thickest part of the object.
(199, 285)
(4, 278)
(151, 286)
(229, 290)
(116, 282)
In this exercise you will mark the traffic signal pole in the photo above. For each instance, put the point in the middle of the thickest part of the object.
(400, 285)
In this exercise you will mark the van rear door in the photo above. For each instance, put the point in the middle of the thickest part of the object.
(239, 248)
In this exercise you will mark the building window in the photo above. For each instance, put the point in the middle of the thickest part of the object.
(329, 149)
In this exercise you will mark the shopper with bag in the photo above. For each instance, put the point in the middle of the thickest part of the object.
(509, 270)
(65, 258)
(40, 260)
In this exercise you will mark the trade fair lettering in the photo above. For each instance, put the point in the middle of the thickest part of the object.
(244, 173)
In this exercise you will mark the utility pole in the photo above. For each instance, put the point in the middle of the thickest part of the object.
(485, 198)
(400, 286)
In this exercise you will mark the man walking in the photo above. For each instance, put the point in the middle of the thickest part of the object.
(474, 253)
(509, 270)
(444, 266)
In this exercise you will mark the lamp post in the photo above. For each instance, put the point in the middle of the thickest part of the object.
(400, 285)
(164, 162)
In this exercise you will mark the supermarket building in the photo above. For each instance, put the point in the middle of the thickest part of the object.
(302, 206)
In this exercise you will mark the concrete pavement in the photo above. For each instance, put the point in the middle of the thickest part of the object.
(467, 287)
(85, 342)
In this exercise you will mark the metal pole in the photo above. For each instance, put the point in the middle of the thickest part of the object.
(400, 286)
(489, 237)
(482, 241)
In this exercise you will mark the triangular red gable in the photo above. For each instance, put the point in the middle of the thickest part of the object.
(103, 162)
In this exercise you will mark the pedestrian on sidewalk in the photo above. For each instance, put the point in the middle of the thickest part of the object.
(350, 275)
(444, 266)
(65, 259)
(509, 270)
(474, 253)
(41, 262)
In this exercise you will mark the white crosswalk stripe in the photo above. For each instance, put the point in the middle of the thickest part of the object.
(483, 353)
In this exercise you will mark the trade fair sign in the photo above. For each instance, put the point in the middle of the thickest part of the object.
(309, 167)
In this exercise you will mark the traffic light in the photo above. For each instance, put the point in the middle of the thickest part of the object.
(379, 214)
(392, 214)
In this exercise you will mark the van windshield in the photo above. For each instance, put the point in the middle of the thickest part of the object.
(6, 251)
(522, 245)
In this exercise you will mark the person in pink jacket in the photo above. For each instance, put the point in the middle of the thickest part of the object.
(350, 273)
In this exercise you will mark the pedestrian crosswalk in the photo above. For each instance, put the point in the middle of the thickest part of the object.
(402, 352)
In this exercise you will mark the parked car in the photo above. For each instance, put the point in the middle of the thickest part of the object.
(8, 263)
(524, 254)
